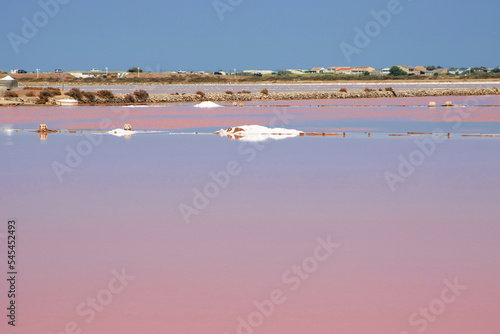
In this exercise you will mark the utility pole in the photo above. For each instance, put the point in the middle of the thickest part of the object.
(37, 72)
(138, 71)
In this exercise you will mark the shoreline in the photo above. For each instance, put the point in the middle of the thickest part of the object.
(119, 99)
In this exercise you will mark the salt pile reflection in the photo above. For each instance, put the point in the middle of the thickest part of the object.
(254, 133)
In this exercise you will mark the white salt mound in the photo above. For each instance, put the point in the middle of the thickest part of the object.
(207, 104)
(67, 101)
(258, 133)
(121, 132)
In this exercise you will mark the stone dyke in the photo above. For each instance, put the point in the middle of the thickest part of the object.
(119, 99)
(222, 97)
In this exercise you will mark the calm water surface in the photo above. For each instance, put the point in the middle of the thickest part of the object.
(477, 114)
(256, 213)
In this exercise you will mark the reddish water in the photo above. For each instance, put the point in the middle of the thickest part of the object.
(122, 206)
(477, 114)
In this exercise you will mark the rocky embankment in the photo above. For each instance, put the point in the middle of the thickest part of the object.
(238, 97)
(221, 97)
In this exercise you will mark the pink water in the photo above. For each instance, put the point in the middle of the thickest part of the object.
(478, 114)
(120, 208)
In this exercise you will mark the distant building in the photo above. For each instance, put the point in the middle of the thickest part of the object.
(408, 69)
(482, 69)
(80, 75)
(344, 70)
(420, 70)
(8, 83)
(85, 75)
(362, 70)
(258, 71)
(294, 71)
(317, 70)
(331, 69)
(441, 70)
(385, 71)
(457, 71)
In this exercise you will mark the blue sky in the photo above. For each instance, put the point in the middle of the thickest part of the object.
(246, 34)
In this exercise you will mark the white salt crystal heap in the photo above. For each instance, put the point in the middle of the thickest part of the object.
(207, 104)
(121, 132)
(255, 133)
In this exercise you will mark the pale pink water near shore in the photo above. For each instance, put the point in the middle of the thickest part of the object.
(396, 252)
(476, 114)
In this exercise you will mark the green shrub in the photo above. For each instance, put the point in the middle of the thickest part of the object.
(284, 73)
(396, 71)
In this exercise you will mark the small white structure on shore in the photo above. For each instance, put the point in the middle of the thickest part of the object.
(8, 83)
(67, 103)
(258, 72)
(80, 75)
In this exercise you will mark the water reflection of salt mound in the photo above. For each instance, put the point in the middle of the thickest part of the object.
(207, 104)
(258, 133)
(121, 132)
